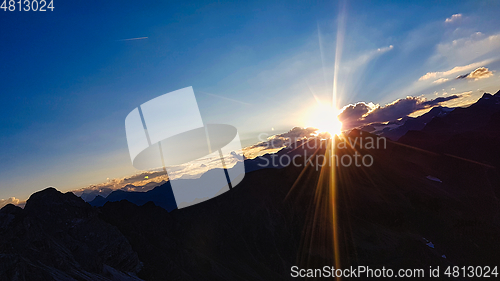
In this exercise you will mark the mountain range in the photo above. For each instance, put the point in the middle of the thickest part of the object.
(472, 133)
(397, 128)
(427, 200)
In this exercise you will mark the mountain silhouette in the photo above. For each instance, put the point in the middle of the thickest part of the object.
(60, 237)
(415, 123)
(415, 206)
(161, 195)
(90, 194)
(472, 132)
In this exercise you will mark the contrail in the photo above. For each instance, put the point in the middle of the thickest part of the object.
(130, 39)
(221, 97)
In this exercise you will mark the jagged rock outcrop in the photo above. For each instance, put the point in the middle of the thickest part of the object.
(60, 237)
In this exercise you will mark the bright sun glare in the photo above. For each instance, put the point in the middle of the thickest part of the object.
(324, 118)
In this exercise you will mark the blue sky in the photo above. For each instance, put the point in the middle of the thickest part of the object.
(68, 77)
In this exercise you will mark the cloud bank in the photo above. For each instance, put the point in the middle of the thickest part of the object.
(457, 69)
(361, 113)
(138, 182)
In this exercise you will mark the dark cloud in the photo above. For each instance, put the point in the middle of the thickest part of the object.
(354, 111)
(363, 114)
(437, 101)
(392, 111)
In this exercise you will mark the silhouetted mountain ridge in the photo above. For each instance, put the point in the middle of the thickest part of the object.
(386, 215)
(60, 237)
(472, 132)
(417, 123)
(161, 195)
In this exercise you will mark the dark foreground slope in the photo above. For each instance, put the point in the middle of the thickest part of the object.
(389, 214)
(60, 237)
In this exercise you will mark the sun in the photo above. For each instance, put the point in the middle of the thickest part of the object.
(325, 119)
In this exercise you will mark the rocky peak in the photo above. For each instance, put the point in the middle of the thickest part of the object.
(489, 101)
(486, 96)
(58, 234)
(51, 203)
(10, 209)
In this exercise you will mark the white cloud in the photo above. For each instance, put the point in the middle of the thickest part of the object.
(440, 80)
(453, 18)
(480, 73)
(11, 200)
(455, 70)
(131, 183)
